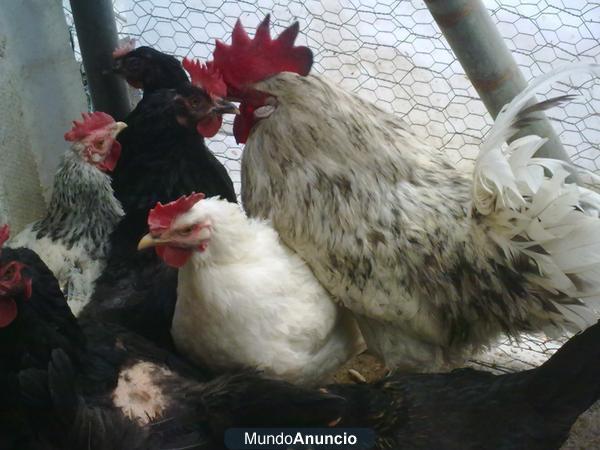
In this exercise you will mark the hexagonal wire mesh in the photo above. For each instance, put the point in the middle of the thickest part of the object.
(392, 52)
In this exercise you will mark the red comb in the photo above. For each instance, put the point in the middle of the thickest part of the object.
(4, 234)
(206, 76)
(126, 46)
(247, 61)
(162, 216)
(90, 122)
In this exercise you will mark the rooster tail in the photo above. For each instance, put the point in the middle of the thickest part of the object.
(569, 382)
(534, 213)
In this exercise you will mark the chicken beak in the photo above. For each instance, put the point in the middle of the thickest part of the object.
(148, 241)
(119, 126)
(224, 107)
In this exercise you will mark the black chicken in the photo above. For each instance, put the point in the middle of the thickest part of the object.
(148, 69)
(28, 335)
(471, 409)
(164, 156)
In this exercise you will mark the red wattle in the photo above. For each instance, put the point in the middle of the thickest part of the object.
(109, 163)
(209, 126)
(8, 311)
(242, 125)
(174, 256)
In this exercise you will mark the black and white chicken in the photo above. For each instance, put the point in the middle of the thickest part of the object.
(72, 239)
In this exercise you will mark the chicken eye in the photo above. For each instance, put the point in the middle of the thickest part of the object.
(186, 231)
(98, 144)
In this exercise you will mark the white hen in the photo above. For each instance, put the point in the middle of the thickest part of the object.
(245, 299)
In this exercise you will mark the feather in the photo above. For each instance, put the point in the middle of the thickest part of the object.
(534, 211)
(505, 121)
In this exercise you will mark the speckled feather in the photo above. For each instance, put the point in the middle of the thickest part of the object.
(383, 219)
(72, 239)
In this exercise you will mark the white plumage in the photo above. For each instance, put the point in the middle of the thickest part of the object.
(72, 266)
(533, 212)
(247, 300)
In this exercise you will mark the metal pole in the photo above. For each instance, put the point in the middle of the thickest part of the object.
(488, 63)
(97, 35)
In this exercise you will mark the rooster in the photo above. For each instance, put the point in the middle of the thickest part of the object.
(435, 262)
(244, 299)
(72, 239)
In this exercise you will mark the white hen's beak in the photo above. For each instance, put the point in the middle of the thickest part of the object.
(148, 241)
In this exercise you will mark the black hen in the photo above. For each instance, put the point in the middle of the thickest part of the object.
(163, 158)
(43, 320)
(34, 319)
(470, 409)
(149, 69)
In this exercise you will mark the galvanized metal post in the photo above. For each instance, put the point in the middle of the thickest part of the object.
(97, 35)
(488, 63)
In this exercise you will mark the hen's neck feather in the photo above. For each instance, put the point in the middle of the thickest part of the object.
(335, 137)
(82, 208)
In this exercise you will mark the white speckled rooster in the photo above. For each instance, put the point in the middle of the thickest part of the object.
(433, 261)
(72, 238)
(243, 298)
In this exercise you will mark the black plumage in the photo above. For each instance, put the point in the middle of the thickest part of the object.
(149, 69)
(43, 322)
(470, 409)
(163, 155)
(163, 158)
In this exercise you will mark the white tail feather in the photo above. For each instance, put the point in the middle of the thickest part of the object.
(532, 211)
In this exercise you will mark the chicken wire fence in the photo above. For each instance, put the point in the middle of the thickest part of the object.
(393, 53)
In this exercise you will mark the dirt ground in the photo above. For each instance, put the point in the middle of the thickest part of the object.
(367, 365)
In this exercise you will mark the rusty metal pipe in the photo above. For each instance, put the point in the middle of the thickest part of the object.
(478, 45)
